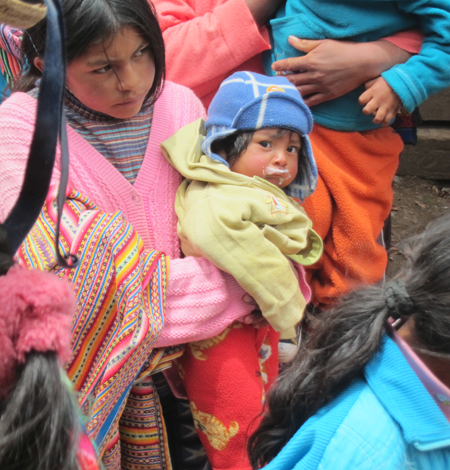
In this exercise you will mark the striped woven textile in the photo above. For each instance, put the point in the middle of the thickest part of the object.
(120, 313)
(10, 56)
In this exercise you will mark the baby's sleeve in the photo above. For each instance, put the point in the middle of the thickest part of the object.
(221, 231)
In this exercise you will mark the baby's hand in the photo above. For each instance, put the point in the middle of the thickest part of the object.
(380, 100)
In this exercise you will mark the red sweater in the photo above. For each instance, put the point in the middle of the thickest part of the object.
(208, 40)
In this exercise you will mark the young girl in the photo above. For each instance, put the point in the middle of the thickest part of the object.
(234, 209)
(361, 394)
(39, 421)
(118, 112)
(356, 158)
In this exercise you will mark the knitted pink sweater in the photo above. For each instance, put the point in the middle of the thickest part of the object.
(201, 300)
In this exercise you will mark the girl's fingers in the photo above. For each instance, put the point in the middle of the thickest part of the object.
(306, 90)
(365, 98)
(301, 78)
(255, 319)
(315, 99)
(293, 64)
(380, 116)
(304, 45)
(370, 108)
(369, 83)
(248, 299)
(390, 115)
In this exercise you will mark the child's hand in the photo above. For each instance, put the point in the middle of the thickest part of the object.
(380, 100)
(254, 318)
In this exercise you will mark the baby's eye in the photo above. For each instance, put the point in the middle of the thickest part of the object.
(103, 70)
(293, 149)
(265, 144)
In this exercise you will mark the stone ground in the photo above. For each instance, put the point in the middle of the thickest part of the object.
(417, 201)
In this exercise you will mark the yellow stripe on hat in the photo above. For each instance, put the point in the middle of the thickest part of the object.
(274, 88)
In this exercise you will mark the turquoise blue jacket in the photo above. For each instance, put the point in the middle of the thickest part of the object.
(385, 421)
(364, 21)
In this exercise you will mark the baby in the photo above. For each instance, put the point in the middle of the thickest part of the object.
(235, 209)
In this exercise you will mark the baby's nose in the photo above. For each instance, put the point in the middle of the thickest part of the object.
(280, 158)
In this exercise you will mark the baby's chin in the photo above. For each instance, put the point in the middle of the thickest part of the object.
(279, 181)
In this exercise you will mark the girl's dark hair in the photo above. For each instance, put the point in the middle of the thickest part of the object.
(344, 339)
(96, 20)
(39, 424)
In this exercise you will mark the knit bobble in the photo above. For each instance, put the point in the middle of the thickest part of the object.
(36, 312)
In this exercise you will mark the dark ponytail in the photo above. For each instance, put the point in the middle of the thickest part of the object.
(39, 426)
(345, 338)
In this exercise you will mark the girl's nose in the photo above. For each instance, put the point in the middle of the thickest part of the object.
(128, 78)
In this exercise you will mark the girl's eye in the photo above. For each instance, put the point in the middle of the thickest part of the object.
(265, 144)
(103, 70)
(142, 51)
(293, 149)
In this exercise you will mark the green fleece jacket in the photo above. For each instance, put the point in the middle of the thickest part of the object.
(245, 226)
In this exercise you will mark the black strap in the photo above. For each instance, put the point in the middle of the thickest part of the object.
(50, 124)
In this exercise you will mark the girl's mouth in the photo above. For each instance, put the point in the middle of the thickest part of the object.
(131, 102)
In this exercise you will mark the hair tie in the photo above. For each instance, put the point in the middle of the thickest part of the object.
(398, 301)
(36, 312)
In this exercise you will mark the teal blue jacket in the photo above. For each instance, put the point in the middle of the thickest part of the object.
(386, 420)
(364, 21)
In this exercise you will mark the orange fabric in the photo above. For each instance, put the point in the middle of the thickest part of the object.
(226, 380)
(348, 209)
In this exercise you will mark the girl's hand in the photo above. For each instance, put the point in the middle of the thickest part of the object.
(380, 100)
(333, 68)
(255, 318)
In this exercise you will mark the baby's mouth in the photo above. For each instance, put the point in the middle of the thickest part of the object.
(276, 176)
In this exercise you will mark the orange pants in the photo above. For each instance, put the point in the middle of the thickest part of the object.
(226, 379)
(348, 209)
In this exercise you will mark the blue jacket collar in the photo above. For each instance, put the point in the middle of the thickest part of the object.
(391, 379)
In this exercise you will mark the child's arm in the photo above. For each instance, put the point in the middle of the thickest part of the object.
(427, 72)
(380, 100)
(333, 68)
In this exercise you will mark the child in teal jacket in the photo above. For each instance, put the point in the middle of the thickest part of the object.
(356, 157)
(362, 395)
(407, 84)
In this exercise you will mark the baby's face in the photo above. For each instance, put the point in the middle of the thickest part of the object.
(272, 154)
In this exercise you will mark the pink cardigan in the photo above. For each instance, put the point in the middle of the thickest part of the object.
(201, 300)
(208, 40)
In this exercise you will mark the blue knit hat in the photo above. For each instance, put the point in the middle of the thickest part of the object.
(248, 101)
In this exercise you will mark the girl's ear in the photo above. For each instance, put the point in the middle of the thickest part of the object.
(39, 63)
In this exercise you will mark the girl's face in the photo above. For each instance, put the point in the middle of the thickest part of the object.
(114, 76)
(272, 154)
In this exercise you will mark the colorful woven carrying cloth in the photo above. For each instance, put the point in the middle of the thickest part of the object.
(120, 314)
(11, 62)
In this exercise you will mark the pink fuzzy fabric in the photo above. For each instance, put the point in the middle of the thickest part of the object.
(36, 310)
